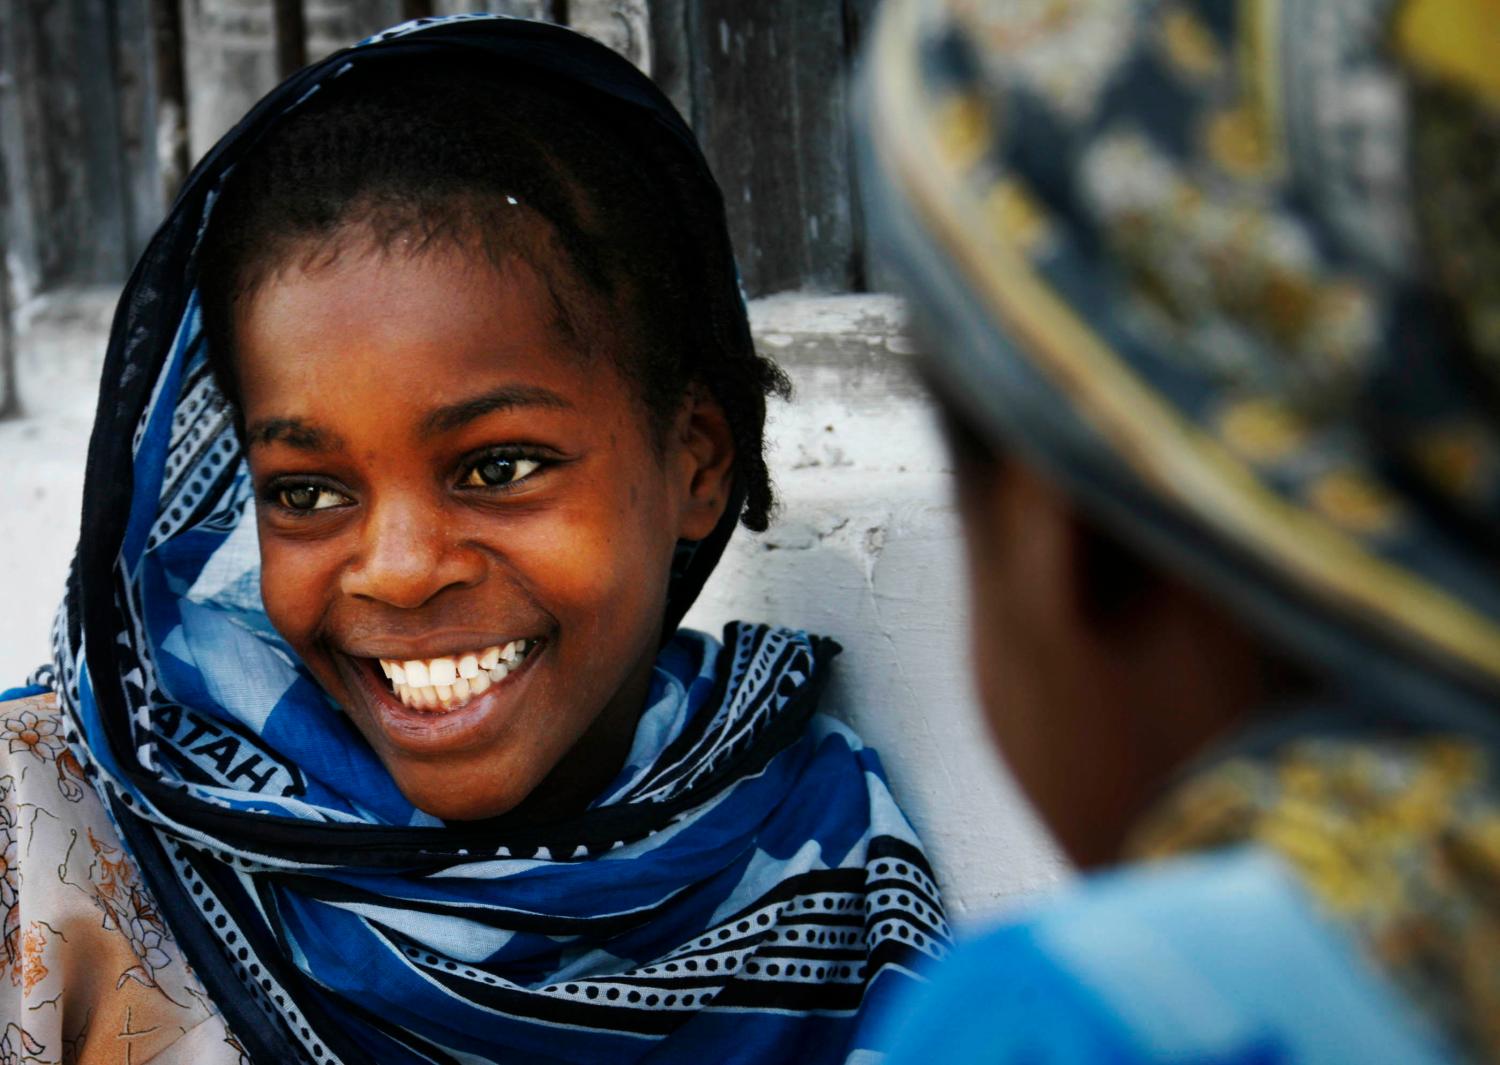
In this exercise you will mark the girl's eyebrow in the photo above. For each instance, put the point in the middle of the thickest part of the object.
(293, 432)
(446, 419)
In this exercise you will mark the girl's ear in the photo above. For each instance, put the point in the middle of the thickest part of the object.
(704, 455)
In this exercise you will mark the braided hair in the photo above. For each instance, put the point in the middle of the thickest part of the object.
(465, 156)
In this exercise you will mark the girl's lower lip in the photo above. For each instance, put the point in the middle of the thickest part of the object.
(428, 731)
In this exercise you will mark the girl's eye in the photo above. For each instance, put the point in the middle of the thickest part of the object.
(496, 471)
(307, 497)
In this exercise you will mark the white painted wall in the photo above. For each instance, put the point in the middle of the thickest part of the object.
(60, 349)
(866, 550)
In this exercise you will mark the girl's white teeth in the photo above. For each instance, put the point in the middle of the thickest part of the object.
(446, 683)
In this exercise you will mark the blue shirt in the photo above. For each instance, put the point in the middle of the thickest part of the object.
(1215, 958)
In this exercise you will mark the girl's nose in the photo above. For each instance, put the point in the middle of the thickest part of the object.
(407, 556)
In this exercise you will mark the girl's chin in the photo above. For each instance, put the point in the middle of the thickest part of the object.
(447, 801)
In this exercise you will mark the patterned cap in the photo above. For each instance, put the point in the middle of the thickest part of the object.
(1230, 269)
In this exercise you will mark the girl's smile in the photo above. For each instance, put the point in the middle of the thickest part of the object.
(445, 478)
(449, 681)
(420, 724)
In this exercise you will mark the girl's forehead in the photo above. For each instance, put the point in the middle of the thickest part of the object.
(374, 348)
(516, 281)
(446, 300)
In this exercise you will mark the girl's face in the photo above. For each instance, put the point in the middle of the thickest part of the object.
(447, 484)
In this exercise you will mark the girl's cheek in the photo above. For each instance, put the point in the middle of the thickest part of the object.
(594, 577)
(293, 585)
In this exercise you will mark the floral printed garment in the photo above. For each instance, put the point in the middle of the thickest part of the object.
(89, 973)
(1398, 841)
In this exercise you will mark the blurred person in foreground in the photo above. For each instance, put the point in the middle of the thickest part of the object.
(1211, 292)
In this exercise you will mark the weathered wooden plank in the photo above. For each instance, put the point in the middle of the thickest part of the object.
(133, 63)
(289, 31)
(546, 10)
(62, 138)
(231, 63)
(624, 25)
(769, 104)
(671, 59)
(10, 400)
(99, 249)
(170, 81)
(335, 24)
(34, 226)
(870, 274)
(15, 224)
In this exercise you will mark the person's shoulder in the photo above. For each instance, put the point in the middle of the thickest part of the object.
(33, 745)
(1218, 957)
(91, 961)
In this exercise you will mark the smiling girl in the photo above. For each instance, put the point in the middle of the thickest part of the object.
(425, 417)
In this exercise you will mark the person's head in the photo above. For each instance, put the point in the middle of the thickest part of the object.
(1221, 395)
(463, 325)
(1101, 670)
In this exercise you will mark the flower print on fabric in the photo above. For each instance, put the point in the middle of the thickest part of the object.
(73, 901)
(33, 947)
(127, 908)
(27, 733)
(10, 880)
(17, 1047)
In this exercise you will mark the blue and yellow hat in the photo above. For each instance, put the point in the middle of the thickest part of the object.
(1230, 269)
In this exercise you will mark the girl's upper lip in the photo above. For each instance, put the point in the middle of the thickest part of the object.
(444, 645)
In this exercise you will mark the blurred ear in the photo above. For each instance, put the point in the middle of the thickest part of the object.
(703, 450)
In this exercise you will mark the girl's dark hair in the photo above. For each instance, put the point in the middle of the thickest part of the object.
(633, 246)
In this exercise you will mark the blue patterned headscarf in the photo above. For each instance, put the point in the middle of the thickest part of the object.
(745, 890)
